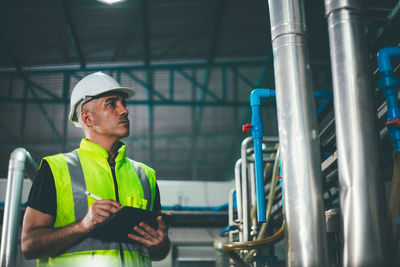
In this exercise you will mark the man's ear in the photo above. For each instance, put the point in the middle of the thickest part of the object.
(87, 118)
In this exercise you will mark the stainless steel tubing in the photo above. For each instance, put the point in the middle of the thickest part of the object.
(245, 180)
(298, 136)
(238, 184)
(12, 207)
(356, 135)
(230, 213)
(252, 178)
(245, 190)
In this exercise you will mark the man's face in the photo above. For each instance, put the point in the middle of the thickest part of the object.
(108, 115)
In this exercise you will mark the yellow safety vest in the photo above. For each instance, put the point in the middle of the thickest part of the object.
(87, 168)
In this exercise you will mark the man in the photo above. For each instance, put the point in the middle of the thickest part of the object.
(60, 215)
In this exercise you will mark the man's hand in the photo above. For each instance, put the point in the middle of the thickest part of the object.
(40, 239)
(156, 240)
(99, 212)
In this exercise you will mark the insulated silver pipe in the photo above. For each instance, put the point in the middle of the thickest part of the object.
(298, 136)
(238, 184)
(356, 135)
(12, 207)
(245, 190)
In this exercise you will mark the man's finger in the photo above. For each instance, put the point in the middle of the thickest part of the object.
(107, 208)
(108, 202)
(103, 213)
(139, 239)
(148, 229)
(142, 232)
(161, 225)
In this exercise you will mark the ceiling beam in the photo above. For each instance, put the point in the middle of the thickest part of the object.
(10, 53)
(216, 30)
(153, 66)
(182, 103)
(145, 31)
(146, 85)
(214, 38)
(66, 87)
(18, 69)
(72, 33)
(46, 116)
(200, 86)
(23, 115)
(8, 133)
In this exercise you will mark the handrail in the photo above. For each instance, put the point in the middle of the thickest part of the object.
(11, 217)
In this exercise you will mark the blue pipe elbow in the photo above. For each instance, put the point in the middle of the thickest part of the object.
(390, 83)
(257, 94)
(384, 56)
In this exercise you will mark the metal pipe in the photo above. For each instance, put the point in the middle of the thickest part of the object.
(230, 213)
(245, 198)
(356, 135)
(239, 197)
(253, 198)
(298, 135)
(11, 219)
(245, 181)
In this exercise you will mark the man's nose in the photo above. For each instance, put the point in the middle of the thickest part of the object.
(124, 110)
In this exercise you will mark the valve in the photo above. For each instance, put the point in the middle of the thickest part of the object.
(246, 128)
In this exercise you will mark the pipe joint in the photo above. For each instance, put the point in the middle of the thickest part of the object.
(259, 93)
(384, 56)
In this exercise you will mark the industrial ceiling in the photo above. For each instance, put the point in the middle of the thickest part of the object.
(193, 64)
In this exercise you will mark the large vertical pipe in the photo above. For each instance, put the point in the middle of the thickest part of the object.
(356, 136)
(12, 209)
(298, 135)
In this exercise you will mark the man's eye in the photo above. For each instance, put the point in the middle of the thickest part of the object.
(111, 104)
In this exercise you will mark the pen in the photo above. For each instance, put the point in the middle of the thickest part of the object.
(93, 195)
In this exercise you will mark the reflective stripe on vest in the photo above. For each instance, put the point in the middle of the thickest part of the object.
(144, 180)
(78, 185)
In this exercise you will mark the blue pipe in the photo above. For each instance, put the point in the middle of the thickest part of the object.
(389, 83)
(269, 93)
(257, 128)
(257, 134)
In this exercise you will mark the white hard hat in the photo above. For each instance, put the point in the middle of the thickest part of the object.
(93, 85)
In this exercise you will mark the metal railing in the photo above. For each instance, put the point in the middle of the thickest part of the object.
(12, 209)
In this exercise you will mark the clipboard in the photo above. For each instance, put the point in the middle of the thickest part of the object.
(120, 224)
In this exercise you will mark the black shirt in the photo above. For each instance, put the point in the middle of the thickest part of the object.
(43, 197)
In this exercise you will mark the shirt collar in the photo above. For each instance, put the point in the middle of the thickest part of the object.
(99, 151)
